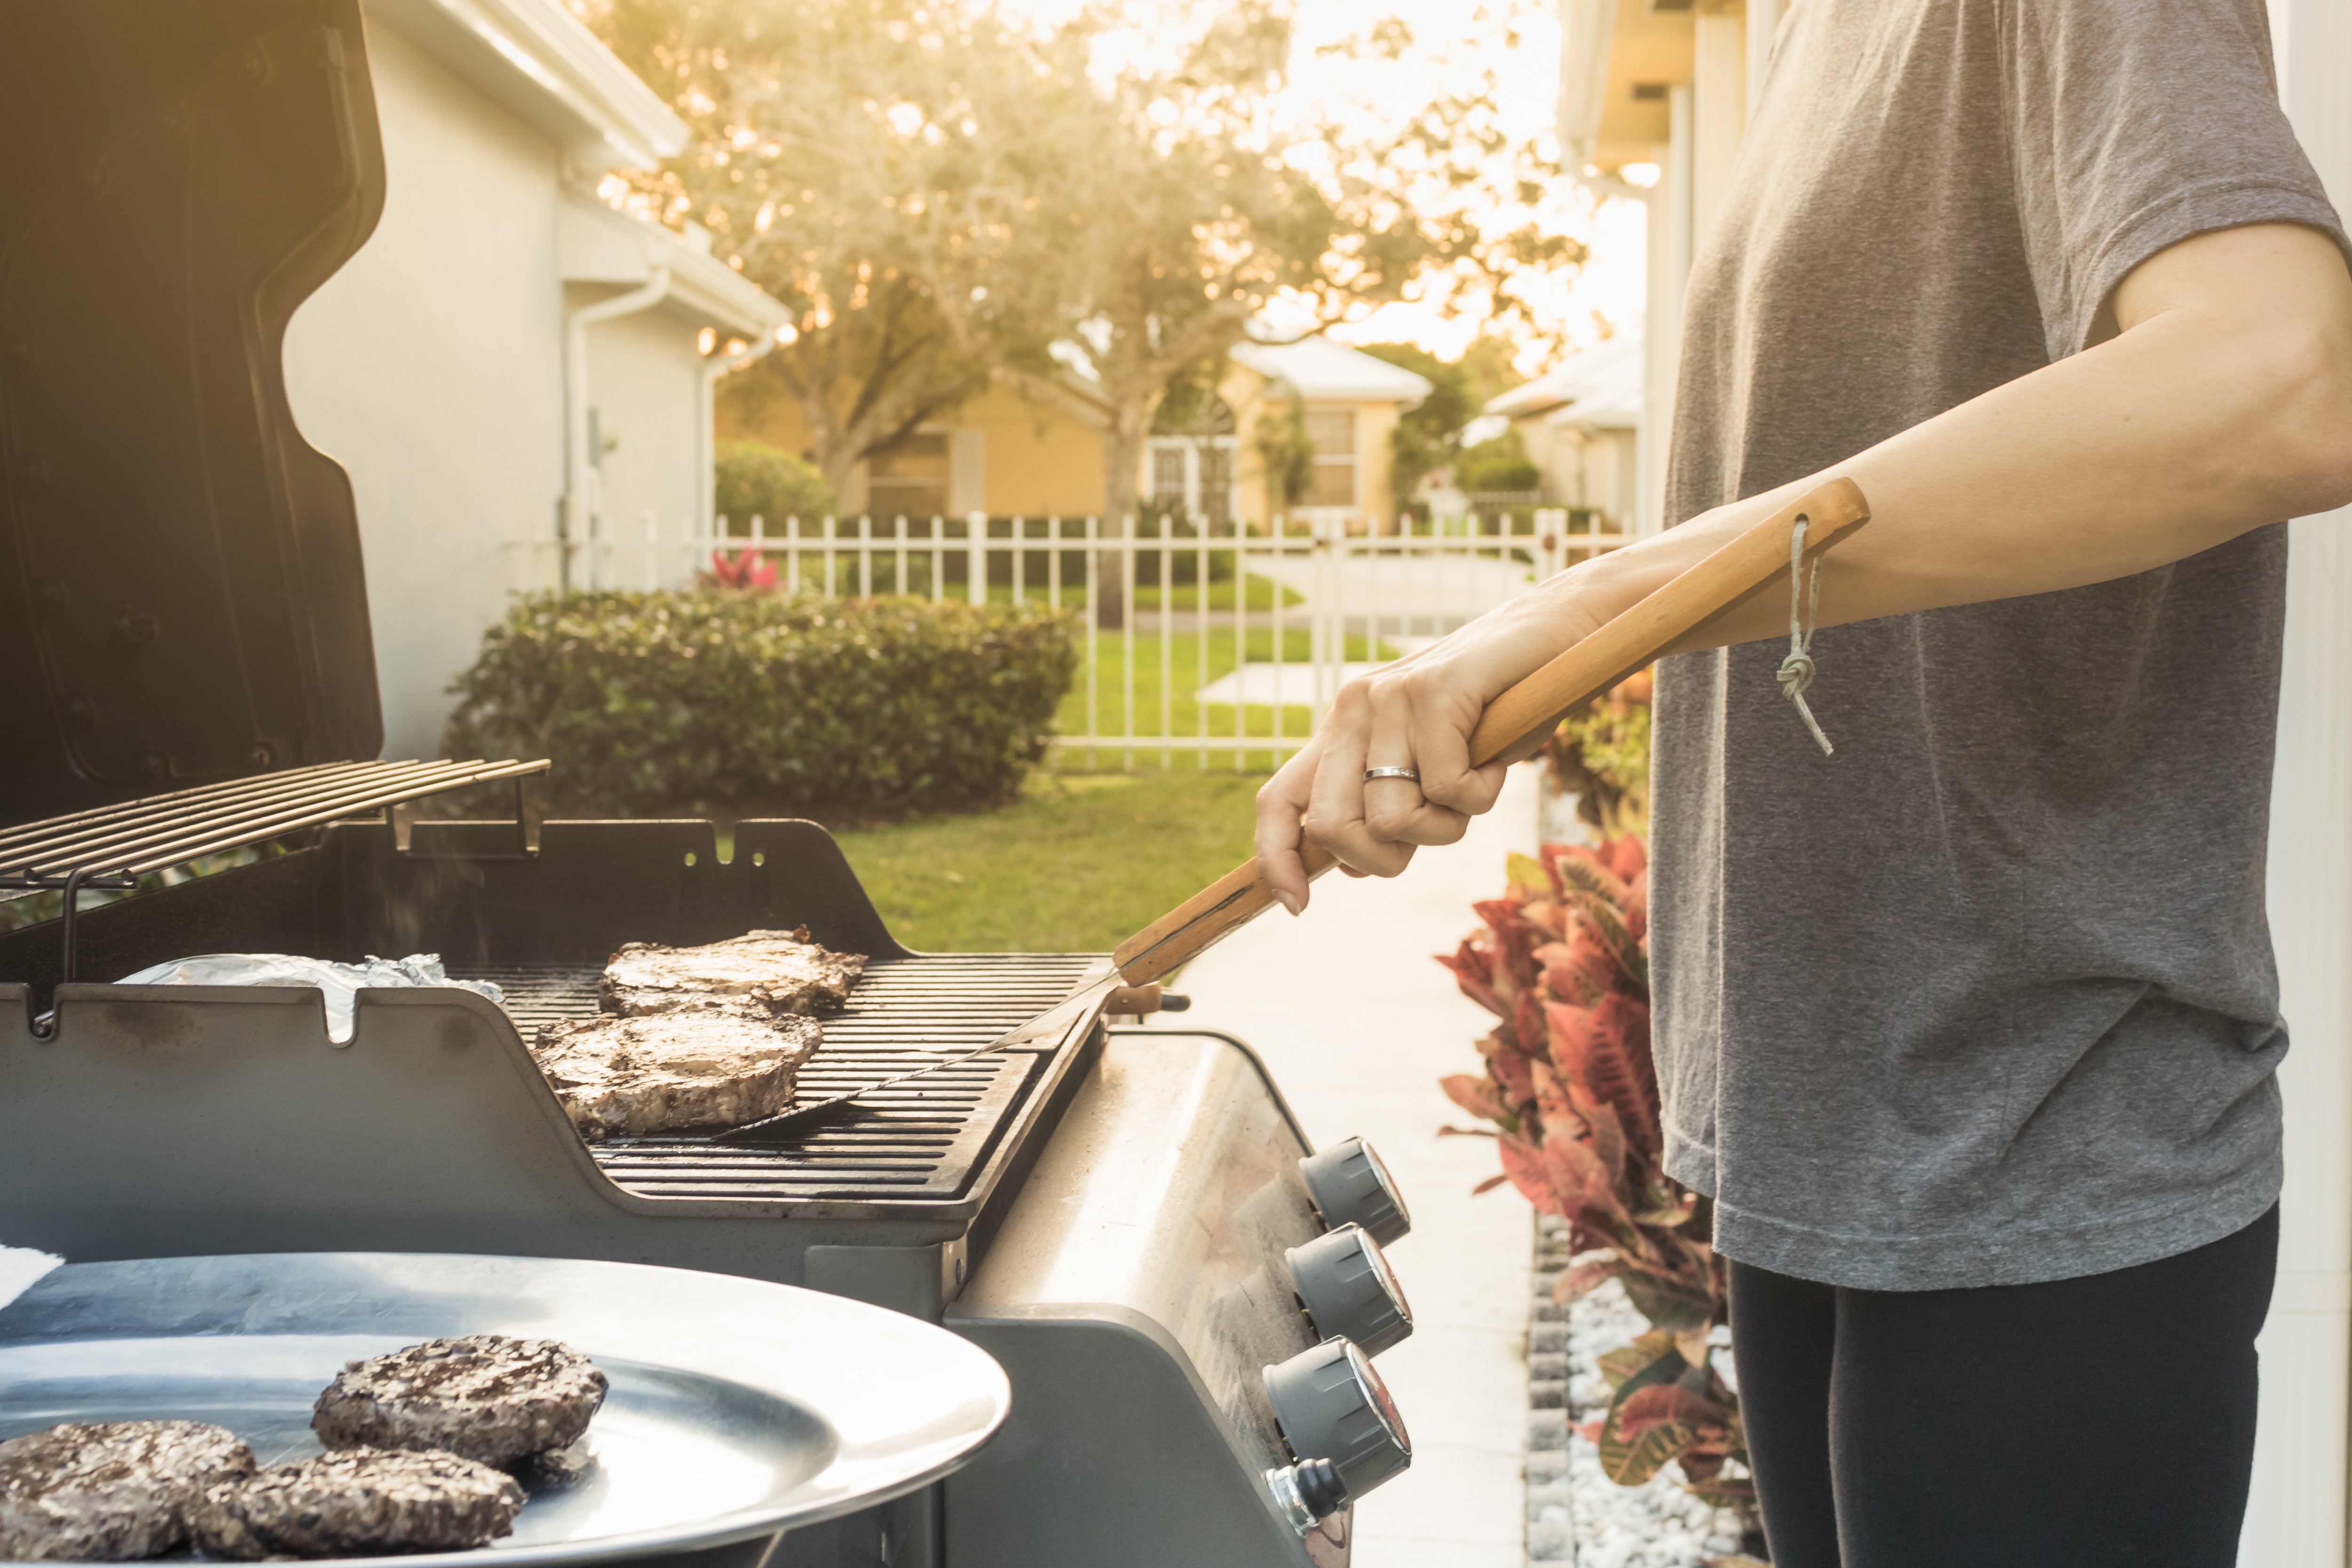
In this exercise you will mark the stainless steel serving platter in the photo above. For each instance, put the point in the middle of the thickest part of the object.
(738, 1408)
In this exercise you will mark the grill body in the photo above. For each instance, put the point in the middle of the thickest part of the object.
(1126, 1198)
(179, 178)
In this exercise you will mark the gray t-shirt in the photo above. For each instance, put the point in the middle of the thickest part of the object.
(1987, 998)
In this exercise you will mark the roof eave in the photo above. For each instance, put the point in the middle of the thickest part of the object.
(538, 60)
(1586, 30)
(598, 244)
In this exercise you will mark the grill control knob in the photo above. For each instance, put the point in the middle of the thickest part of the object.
(1337, 1417)
(1350, 1186)
(1349, 1290)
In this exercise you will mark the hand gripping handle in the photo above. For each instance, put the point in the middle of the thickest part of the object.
(1528, 710)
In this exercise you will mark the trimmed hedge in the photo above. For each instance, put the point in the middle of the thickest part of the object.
(650, 703)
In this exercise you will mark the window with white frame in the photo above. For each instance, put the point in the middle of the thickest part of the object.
(1192, 475)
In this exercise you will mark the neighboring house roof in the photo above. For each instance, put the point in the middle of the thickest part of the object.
(1600, 388)
(1321, 370)
(538, 60)
(597, 244)
(1314, 368)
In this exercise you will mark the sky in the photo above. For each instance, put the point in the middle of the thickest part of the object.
(1453, 43)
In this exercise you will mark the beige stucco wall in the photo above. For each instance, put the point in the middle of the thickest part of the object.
(1041, 461)
(1035, 461)
(1375, 422)
(429, 366)
(1243, 391)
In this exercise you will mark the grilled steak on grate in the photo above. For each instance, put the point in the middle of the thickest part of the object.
(358, 1500)
(702, 1066)
(782, 972)
(106, 1491)
(490, 1397)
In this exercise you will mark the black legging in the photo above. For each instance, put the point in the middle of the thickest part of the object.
(2070, 1425)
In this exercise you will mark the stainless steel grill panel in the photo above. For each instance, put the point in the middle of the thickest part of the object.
(928, 1138)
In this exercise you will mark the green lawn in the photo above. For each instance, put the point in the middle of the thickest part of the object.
(1182, 598)
(1078, 865)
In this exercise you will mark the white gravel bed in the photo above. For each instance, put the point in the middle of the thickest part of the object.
(1575, 1514)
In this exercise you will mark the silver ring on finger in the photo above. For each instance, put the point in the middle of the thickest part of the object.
(1412, 774)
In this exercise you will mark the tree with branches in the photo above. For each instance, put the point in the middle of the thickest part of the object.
(1091, 231)
(1088, 210)
(807, 158)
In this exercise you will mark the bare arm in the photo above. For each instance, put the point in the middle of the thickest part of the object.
(2222, 402)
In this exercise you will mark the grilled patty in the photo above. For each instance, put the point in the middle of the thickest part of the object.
(708, 1067)
(104, 1491)
(488, 1397)
(778, 971)
(358, 1500)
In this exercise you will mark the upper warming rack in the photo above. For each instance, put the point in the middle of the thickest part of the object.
(113, 845)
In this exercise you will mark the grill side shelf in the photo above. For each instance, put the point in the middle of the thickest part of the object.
(929, 1140)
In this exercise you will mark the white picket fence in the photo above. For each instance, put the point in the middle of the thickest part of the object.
(1233, 642)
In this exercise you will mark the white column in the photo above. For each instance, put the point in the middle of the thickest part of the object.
(1669, 252)
(1718, 110)
(2296, 1517)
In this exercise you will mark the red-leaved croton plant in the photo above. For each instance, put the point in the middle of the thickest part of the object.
(1562, 962)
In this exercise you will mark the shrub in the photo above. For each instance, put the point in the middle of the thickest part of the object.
(1600, 751)
(755, 479)
(1572, 1089)
(1497, 466)
(1287, 454)
(869, 707)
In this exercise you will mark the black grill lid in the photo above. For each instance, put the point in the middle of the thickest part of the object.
(180, 593)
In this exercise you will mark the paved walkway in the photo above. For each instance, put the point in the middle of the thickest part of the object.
(1358, 1021)
(1448, 588)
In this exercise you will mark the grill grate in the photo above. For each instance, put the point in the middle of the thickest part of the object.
(924, 1139)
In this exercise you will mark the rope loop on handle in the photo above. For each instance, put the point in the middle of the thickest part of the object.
(1796, 670)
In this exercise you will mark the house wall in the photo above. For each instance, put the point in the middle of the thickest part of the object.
(1037, 461)
(427, 368)
(1580, 467)
(1243, 391)
(1252, 397)
(1033, 461)
(1375, 423)
(642, 380)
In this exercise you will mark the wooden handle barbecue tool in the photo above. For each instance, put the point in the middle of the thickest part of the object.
(1622, 646)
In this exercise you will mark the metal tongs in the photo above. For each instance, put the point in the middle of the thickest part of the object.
(1099, 987)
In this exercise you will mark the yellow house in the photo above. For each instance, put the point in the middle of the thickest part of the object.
(1037, 456)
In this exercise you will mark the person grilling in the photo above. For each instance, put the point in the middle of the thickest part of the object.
(1968, 1031)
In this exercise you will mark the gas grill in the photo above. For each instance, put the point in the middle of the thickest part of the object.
(1129, 1221)
(1124, 1218)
